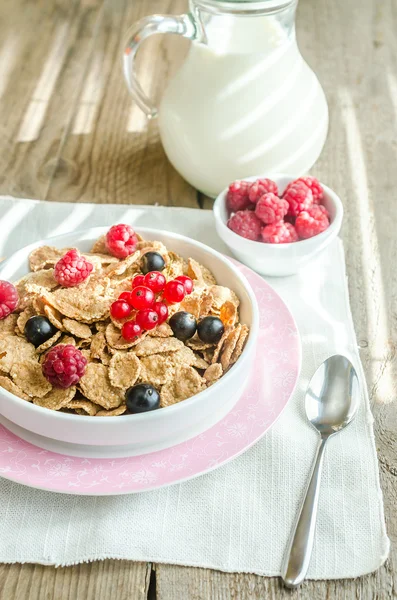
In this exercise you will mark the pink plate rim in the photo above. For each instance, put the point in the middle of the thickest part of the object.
(271, 385)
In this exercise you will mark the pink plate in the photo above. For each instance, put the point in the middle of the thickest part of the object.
(267, 393)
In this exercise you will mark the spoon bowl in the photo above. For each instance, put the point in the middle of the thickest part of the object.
(331, 402)
(332, 397)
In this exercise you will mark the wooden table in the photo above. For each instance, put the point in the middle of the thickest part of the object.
(70, 132)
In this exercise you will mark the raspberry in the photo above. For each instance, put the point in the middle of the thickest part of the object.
(299, 197)
(270, 208)
(187, 283)
(120, 309)
(131, 331)
(237, 196)
(279, 233)
(121, 240)
(174, 291)
(162, 310)
(260, 187)
(313, 184)
(246, 224)
(155, 281)
(8, 299)
(72, 269)
(312, 221)
(64, 366)
(147, 319)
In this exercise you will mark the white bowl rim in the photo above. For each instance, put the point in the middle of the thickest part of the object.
(146, 416)
(334, 226)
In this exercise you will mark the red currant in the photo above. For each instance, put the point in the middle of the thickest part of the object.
(138, 280)
(147, 319)
(162, 310)
(174, 292)
(155, 281)
(142, 297)
(120, 309)
(187, 283)
(127, 297)
(131, 331)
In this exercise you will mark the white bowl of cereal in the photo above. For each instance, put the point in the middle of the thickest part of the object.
(198, 383)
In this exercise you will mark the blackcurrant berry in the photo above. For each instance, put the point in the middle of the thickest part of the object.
(39, 330)
(183, 324)
(142, 398)
(152, 261)
(210, 330)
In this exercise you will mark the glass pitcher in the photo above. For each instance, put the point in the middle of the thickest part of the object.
(244, 102)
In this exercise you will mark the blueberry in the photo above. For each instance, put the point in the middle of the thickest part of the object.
(210, 330)
(152, 261)
(183, 324)
(38, 330)
(141, 398)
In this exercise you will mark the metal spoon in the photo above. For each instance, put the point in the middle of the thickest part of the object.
(331, 403)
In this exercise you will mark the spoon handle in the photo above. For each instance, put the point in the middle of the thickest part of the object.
(297, 557)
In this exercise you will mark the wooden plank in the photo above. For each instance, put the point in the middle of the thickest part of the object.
(182, 583)
(89, 581)
(45, 47)
(115, 155)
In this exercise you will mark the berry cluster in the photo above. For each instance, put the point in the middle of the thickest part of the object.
(259, 212)
(9, 299)
(72, 269)
(146, 305)
(121, 240)
(64, 365)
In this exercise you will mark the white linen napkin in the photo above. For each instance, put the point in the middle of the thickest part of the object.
(239, 517)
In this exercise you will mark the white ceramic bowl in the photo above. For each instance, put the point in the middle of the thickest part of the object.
(130, 435)
(278, 259)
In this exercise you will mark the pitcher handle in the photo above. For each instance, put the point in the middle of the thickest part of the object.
(180, 25)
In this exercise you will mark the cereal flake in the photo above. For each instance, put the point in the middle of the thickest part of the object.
(157, 368)
(95, 385)
(229, 346)
(85, 303)
(11, 387)
(14, 350)
(186, 383)
(45, 256)
(213, 373)
(8, 324)
(163, 331)
(114, 412)
(240, 344)
(57, 398)
(79, 330)
(157, 345)
(28, 376)
(228, 313)
(200, 273)
(219, 345)
(124, 369)
(24, 317)
(49, 343)
(221, 295)
(54, 316)
(85, 406)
